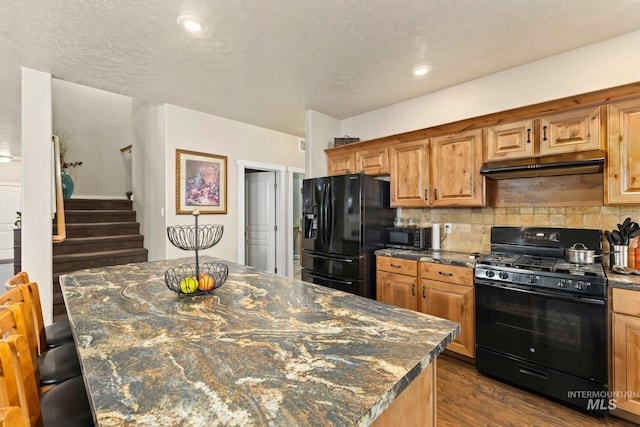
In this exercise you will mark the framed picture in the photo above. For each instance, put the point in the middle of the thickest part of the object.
(201, 183)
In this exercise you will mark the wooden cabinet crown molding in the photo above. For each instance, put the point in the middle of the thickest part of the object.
(590, 99)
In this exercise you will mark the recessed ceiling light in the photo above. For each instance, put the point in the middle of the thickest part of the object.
(5, 159)
(421, 70)
(192, 24)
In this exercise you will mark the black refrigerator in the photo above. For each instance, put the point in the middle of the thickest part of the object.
(344, 219)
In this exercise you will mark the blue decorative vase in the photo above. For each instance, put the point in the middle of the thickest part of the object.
(67, 185)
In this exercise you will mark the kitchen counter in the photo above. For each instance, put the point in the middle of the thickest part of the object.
(461, 259)
(625, 281)
(261, 350)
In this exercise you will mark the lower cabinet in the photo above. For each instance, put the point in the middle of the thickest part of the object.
(625, 335)
(446, 291)
(397, 282)
(442, 290)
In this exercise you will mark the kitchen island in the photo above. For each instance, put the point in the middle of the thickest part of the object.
(260, 350)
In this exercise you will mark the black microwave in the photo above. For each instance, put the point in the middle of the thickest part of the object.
(407, 238)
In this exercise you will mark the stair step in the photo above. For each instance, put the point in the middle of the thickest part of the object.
(73, 262)
(98, 204)
(101, 229)
(100, 215)
(96, 244)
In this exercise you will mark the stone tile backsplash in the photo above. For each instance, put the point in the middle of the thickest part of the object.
(471, 227)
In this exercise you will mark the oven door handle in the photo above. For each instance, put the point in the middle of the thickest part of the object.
(587, 300)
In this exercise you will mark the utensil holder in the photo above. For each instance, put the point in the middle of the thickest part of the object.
(619, 256)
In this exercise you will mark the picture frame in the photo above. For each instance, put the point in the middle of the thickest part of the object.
(201, 183)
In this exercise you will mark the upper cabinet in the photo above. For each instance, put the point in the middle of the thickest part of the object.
(576, 130)
(355, 159)
(510, 140)
(622, 177)
(409, 173)
(566, 132)
(455, 170)
(373, 161)
(341, 162)
(443, 171)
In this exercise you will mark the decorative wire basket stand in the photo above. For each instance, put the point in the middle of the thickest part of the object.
(186, 238)
(195, 279)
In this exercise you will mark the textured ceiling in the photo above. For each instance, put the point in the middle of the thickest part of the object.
(266, 62)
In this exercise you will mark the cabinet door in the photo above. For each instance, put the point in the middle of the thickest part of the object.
(409, 174)
(455, 170)
(626, 361)
(398, 290)
(373, 161)
(451, 302)
(510, 141)
(622, 177)
(577, 130)
(341, 163)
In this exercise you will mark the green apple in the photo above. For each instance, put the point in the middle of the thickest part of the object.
(188, 285)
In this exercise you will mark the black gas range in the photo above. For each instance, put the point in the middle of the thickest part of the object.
(541, 322)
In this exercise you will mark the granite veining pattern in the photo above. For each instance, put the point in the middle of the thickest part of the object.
(261, 350)
(461, 259)
(625, 281)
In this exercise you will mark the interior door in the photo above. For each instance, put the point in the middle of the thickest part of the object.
(260, 217)
(11, 196)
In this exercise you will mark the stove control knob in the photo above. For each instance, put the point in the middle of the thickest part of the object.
(531, 278)
(580, 285)
(562, 283)
(503, 275)
(489, 273)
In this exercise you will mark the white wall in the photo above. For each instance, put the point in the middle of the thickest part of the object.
(149, 173)
(610, 63)
(99, 124)
(37, 182)
(319, 134)
(201, 132)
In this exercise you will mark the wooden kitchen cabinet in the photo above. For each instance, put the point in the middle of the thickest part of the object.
(446, 291)
(397, 282)
(340, 163)
(369, 160)
(455, 170)
(571, 131)
(565, 132)
(622, 171)
(625, 321)
(409, 173)
(373, 161)
(510, 141)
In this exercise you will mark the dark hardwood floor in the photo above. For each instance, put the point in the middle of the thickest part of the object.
(467, 398)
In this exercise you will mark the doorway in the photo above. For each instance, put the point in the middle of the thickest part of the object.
(260, 219)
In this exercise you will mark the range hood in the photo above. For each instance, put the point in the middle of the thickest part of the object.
(549, 165)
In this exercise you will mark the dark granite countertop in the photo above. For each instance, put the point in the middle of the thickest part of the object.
(261, 350)
(462, 259)
(625, 281)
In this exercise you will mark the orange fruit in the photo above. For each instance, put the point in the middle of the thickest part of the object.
(205, 282)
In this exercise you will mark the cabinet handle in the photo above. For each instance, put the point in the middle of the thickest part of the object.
(445, 274)
(413, 289)
(426, 194)
(423, 294)
(435, 194)
(395, 265)
(528, 136)
(544, 133)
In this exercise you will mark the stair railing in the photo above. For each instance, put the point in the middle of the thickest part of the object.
(60, 220)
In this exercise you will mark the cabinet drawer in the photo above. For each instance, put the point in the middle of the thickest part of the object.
(447, 273)
(625, 301)
(397, 265)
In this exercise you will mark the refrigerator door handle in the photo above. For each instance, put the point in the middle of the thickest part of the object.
(325, 215)
(329, 214)
(348, 260)
(333, 279)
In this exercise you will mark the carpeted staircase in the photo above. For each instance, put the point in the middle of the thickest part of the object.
(99, 233)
